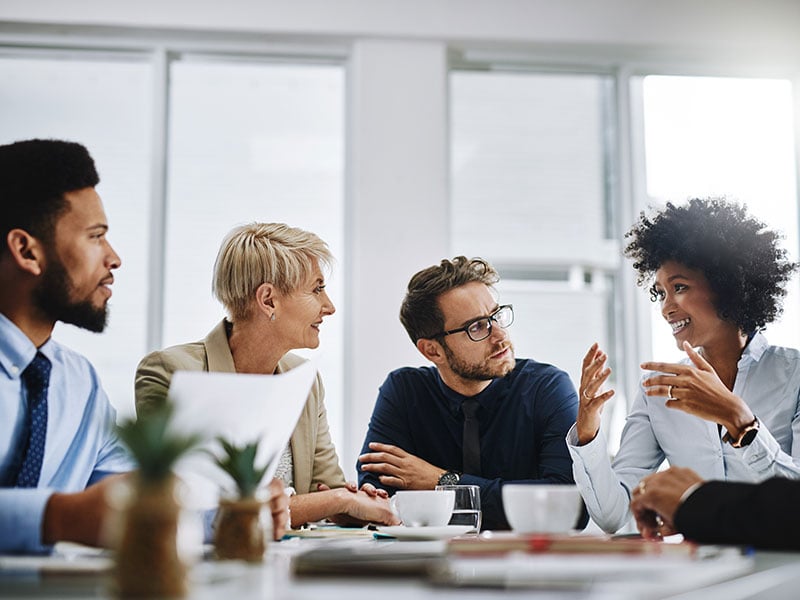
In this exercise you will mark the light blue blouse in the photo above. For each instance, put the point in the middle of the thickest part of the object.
(768, 380)
(80, 447)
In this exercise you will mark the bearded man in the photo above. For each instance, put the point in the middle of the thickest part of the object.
(57, 443)
(478, 416)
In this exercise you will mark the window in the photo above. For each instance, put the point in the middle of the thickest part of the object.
(252, 142)
(248, 140)
(103, 102)
(531, 192)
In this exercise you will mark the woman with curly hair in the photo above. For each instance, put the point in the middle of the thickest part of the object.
(731, 409)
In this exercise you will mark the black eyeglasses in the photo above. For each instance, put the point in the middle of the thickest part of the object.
(481, 328)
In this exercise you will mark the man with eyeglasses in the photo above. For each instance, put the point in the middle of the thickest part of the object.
(478, 416)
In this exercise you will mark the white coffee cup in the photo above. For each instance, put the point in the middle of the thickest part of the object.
(532, 508)
(424, 508)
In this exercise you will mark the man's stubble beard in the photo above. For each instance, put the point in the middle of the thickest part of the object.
(481, 371)
(52, 297)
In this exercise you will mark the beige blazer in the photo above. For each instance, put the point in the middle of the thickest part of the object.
(313, 454)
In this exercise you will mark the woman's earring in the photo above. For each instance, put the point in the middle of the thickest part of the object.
(272, 317)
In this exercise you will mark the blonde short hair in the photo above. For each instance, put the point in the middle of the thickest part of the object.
(264, 253)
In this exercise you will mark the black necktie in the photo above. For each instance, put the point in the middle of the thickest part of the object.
(36, 378)
(472, 437)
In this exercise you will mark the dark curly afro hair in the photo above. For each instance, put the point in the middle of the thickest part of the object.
(737, 254)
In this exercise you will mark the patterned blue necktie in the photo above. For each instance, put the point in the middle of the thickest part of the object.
(36, 378)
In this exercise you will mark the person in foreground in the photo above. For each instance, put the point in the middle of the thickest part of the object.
(477, 416)
(269, 278)
(678, 500)
(57, 445)
(731, 409)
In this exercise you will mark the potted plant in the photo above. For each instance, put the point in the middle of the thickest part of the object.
(241, 520)
(148, 564)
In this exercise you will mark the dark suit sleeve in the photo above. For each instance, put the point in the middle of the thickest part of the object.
(760, 515)
(388, 425)
(559, 402)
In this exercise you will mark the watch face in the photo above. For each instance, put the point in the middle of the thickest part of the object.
(449, 478)
(748, 437)
(749, 434)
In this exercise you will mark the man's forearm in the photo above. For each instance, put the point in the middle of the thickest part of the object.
(760, 515)
(65, 521)
(79, 517)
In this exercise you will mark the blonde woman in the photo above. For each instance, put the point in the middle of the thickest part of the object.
(269, 278)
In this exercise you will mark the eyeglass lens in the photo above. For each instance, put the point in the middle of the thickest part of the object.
(482, 328)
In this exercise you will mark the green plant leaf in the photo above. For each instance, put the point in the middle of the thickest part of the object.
(239, 463)
(154, 448)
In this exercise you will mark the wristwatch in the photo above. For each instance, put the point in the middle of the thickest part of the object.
(449, 478)
(747, 435)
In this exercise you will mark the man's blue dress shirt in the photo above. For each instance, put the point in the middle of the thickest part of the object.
(523, 416)
(80, 447)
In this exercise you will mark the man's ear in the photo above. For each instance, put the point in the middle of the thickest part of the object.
(26, 251)
(432, 350)
(265, 298)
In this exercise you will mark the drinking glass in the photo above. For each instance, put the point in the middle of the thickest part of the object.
(467, 506)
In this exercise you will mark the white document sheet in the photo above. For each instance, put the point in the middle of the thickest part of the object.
(242, 408)
(607, 576)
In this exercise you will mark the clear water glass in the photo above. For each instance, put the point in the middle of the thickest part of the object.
(467, 506)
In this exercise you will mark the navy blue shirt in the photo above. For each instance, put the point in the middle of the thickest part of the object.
(524, 418)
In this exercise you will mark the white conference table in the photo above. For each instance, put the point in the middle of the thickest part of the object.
(763, 575)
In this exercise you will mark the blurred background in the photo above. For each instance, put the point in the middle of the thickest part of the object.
(528, 132)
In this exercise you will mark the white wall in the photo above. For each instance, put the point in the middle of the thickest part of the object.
(759, 26)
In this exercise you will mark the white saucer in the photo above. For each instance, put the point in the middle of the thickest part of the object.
(425, 533)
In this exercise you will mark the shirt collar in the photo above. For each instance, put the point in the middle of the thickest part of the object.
(486, 397)
(16, 348)
(218, 350)
(756, 348)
